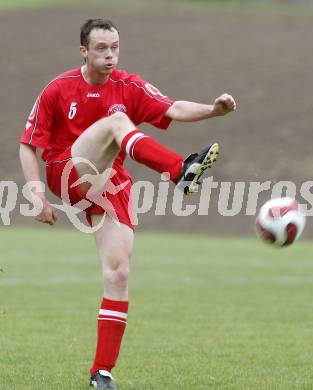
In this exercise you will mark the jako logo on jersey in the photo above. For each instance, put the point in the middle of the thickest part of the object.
(117, 108)
(93, 95)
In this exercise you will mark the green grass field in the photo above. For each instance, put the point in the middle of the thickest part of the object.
(206, 313)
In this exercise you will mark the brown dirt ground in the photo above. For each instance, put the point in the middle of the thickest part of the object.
(264, 60)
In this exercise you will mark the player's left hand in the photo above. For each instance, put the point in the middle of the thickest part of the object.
(224, 104)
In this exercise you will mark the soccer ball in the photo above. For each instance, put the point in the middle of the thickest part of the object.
(280, 221)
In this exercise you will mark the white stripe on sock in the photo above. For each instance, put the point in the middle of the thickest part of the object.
(131, 154)
(112, 319)
(131, 140)
(111, 313)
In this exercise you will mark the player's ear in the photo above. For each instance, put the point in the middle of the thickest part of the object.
(83, 51)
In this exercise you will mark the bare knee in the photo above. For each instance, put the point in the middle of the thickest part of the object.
(114, 121)
(119, 117)
(116, 272)
(120, 125)
(120, 275)
(116, 279)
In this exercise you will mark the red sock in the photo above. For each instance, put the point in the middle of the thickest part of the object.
(112, 322)
(147, 151)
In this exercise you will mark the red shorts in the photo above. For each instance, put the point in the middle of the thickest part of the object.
(120, 201)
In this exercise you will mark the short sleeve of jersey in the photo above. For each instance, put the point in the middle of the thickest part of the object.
(38, 127)
(146, 103)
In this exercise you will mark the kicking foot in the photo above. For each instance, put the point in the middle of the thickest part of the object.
(194, 167)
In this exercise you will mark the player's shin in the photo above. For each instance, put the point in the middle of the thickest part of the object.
(147, 151)
(112, 322)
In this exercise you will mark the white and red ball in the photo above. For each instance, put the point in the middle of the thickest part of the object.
(280, 221)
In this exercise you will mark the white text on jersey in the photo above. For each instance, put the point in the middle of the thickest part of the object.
(93, 95)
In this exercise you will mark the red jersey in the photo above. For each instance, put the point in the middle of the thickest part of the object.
(68, 105)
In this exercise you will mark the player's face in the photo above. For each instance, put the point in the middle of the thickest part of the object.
(103, 50)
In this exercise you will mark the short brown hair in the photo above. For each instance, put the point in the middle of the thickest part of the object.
(91, 24)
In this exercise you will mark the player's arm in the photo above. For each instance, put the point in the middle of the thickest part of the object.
(185, 111)
(42, 207)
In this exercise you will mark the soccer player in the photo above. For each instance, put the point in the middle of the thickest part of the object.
(92, 112)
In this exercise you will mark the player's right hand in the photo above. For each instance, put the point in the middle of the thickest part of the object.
(44, 212)
(224, 104)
